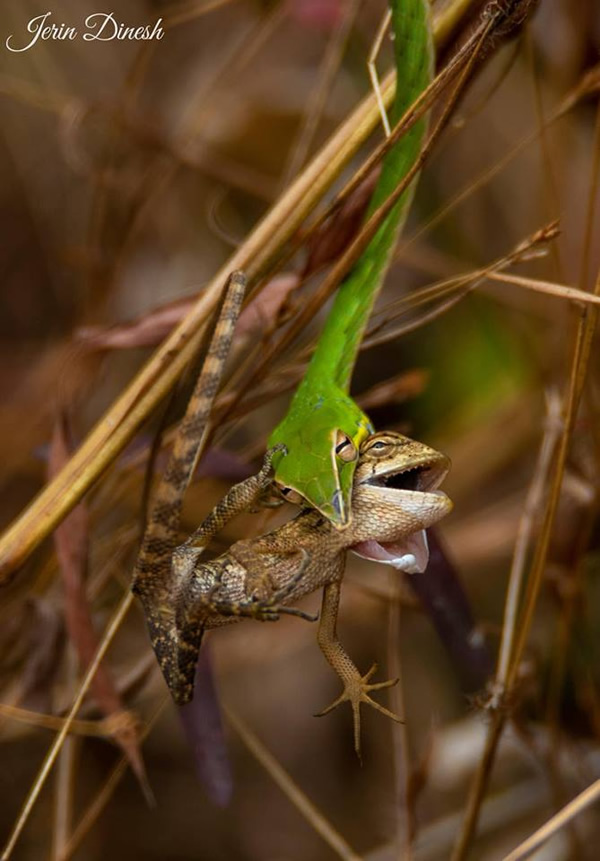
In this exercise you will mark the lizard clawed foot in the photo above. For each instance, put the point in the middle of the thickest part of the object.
(261, 610)
(293, 611)
(356, 691)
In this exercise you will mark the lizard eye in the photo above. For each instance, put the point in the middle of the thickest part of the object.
(291, 495)
(379, 448)
(345, 448)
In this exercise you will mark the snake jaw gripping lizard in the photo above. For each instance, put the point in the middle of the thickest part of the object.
(395, 497)
(326, 447)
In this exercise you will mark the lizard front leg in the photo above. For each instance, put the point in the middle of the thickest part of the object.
(356, 687)
(238, 499)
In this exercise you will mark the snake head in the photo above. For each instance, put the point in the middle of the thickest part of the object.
(322, 453)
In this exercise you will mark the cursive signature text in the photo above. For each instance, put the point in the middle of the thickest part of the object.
(98, 27)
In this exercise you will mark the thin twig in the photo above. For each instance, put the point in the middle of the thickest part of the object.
(548, 287)
(52, 754)
(372, 67)
(526, 525)
(104, 794)
(399, 730)
(588, 85)
(290, 789)
(591, 795)
(64, 783)
(103, 728)
(316, 102)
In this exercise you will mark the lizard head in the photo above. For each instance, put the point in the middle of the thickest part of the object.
(399, 477)
(394, 461)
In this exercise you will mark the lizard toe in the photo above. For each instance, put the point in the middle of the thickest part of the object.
(356, 691)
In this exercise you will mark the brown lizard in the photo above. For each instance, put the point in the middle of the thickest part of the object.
(395, 498)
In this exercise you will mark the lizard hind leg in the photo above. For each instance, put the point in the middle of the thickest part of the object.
(287, 590)
(202, 596)
(267, 609)
(356, 687)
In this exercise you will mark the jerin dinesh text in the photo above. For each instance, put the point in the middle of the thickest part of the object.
(98, 27)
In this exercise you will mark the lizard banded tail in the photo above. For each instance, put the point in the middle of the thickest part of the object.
(153, 579)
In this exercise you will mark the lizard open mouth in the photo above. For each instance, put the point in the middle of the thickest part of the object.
(410, 553)
(421, 477)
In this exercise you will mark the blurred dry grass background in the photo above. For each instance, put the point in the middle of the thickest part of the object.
(128, 172)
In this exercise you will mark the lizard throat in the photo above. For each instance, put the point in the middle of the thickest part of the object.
(414, 489)
(410, 555)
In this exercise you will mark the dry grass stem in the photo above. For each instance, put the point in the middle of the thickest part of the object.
(316, 103)
(291, 790)
(584, 89)
(570, 293)
(589, 796)
(105, 793)
(402, 762)
(529, 515)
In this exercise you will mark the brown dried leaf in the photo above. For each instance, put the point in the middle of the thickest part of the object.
(260, 314)
(71, 543)
(145, 331)
(333, 237)
(263, 312)
(203, 726)
(398, 389)
(45, 641)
